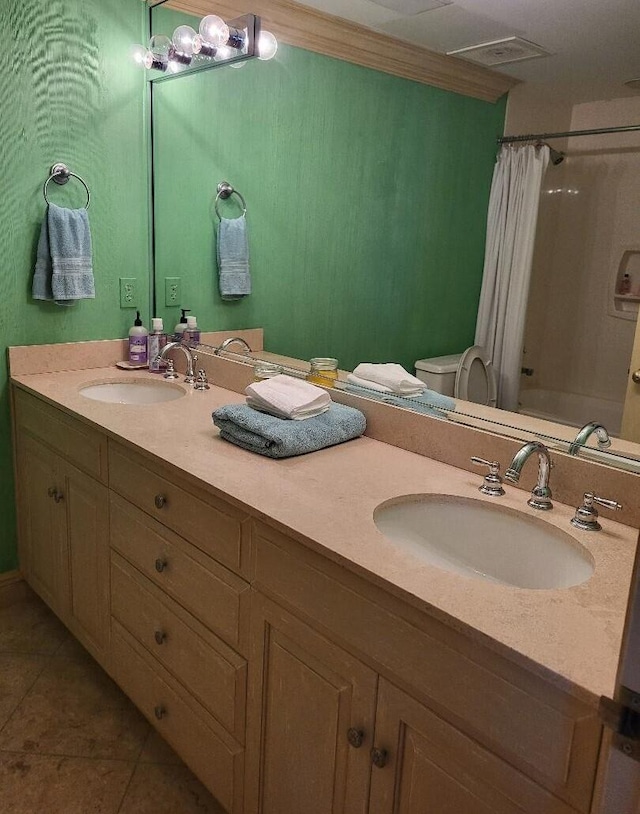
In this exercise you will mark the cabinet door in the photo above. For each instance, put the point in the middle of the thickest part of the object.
(426, 766)
(86, 504)
(43, 552)
(310, 720)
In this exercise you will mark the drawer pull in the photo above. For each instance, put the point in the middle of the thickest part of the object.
(379, 757)
(55, 494)
(159, 712)
(160, 636)
(161, 564)
(160, 501)
(355, 737)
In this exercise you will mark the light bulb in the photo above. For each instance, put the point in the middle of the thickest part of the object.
(160, 46)
(213, 30)
(186, 40)
(267, 45)
(139, 55)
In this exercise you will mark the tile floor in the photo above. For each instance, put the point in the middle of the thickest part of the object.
(70, 741)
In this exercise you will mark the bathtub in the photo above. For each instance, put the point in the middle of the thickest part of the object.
(571, 408)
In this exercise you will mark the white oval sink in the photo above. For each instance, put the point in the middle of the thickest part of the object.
(138, 391)
(477, 539)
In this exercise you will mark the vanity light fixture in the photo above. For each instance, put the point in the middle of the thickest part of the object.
(215, 40)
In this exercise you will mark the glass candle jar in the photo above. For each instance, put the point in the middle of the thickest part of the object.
(323, 370)
(265, 370)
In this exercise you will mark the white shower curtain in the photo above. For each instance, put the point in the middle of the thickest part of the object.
(511, 230)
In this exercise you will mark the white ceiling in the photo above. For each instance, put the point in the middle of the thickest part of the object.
(594, 44)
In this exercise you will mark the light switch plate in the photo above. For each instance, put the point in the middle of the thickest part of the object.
(172, 292)
(128, 292)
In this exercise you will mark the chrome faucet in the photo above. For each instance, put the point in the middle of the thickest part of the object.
(604, 442)
(189, 378)
(541, 493)
(224, 345)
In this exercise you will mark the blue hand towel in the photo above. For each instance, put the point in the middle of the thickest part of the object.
(63, 271)
(233, 259)
(428, 402)
(281, 438)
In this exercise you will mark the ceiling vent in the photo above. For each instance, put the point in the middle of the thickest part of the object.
(499, 52)
(408, 8)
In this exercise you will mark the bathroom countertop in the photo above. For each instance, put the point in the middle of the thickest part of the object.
(570, 636)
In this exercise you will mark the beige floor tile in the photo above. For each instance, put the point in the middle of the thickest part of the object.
(18, 672)
(38, 784)
(75, 709)
(30, 627)
(157, 750)
(167, 790)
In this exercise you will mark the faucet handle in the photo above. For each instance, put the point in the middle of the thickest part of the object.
(586, 516)
(492, 483)
(170, 373)
(202, 383)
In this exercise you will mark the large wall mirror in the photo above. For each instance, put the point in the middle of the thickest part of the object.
(366, 199)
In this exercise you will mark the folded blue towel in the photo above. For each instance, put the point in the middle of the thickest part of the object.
(233, 259)
(281, 438)
(63, 271)
(428, 402)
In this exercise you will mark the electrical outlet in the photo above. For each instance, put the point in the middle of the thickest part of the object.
(172, 292)
(128, 292)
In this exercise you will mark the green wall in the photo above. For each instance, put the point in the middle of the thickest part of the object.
(367, 197)
(68, 92)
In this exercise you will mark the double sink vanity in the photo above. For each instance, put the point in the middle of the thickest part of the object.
(279, 622)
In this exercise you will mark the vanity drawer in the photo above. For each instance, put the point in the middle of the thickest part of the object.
(207, 668)
(214, 526)
(550, 735)
(211, 754)
(78, 443)
(215, 596)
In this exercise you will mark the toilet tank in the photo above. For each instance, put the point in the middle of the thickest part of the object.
(439, 372)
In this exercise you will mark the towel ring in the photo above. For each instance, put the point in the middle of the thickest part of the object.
(225, 190)
(60, 174)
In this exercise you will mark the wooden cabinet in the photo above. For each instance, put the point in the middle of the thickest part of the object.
(313, 714)
(286, 682)
(180, 614)
(458, 728)
(64, 541)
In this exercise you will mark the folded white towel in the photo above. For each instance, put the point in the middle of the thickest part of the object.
(287, 397)
(390, 375)
(358, 382)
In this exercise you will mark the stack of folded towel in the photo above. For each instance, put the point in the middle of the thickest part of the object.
(286, 397)
(64, 269)
(386, 378)
(393, 385)
(284, 416)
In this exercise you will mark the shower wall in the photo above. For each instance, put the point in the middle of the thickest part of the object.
(588, 217)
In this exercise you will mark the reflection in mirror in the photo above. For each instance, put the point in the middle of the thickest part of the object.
(366, 200)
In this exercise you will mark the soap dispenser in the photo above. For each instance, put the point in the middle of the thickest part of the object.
(181, 327)
(138, 336)
(194, 331)
(157, 341)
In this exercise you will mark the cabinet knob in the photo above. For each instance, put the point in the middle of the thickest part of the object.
(635, 376)
(160, 501)
(51, 491)
(355, 737)
(379, 757)
(160, 636)
(58, 496)
(159, 712)
(160, 564)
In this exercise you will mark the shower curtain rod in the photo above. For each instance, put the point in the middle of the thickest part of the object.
(545, 136)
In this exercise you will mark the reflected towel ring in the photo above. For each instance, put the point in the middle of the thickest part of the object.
(225, 190)
(60, 174)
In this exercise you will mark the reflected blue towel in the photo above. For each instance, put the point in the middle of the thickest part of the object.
(282, 438)
(64, 271)
(233, 259)
(429, 402)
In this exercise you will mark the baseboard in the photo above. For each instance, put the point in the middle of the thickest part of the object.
(13, 588)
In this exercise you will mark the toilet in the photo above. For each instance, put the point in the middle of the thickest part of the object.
(468, 376)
